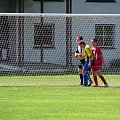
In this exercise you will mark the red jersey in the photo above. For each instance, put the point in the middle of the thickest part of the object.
(97, 56)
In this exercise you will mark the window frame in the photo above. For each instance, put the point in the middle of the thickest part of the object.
(107, 1)
(51, 0)
(104, 35)
(46, 46)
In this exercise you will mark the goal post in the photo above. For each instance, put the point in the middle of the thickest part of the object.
(45, 43)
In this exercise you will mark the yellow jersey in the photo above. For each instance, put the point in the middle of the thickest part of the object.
(88, 53)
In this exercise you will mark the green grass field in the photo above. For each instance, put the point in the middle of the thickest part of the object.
(57, 98)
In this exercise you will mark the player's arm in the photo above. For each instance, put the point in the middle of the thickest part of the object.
(103, 61)
(89, 54)
(76, 52)
(78, 55)
(100, 54)
(82, 56)
(90, 59)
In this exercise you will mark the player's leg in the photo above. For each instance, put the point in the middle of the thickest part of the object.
(94, 72)
(89, 78)
(102, 78)
(95, 79)
(80, 73)
(80, 70)
(88, 74)
(85, 76)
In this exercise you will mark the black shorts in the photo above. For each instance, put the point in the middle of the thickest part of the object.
(82, 62)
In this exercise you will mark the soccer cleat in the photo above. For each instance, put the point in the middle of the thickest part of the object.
(95, 85)
(80, 84)
(106, 85)
(85, 85)
(91, 82)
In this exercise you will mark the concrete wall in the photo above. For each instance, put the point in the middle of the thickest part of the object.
(78, 6)
(49, 7)
(56, 55)
(80, 26)
(83, 7)
(84, 26)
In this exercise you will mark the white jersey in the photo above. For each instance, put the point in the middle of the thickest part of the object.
(80, 50)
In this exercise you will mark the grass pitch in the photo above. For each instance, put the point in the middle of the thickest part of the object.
(57, 98)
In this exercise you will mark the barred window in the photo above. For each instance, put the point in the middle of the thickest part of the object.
(44, 35)
(100, 1)
(104, 33)
(51, 0)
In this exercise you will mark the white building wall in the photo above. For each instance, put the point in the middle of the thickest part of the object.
(56, 55)
(31, 6)
(84, 27)
(83, 7)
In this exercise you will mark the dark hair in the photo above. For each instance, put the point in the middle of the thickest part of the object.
(94, 40)
(82, 42)
(80, 37)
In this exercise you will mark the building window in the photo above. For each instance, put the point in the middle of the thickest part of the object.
(44, 35)
(104, 33)
(100, 1)
(51, 0)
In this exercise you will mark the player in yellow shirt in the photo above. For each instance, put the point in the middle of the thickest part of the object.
(89, 61)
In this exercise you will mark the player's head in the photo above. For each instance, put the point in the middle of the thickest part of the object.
(94, 42)
(82, 44)
(78, 39)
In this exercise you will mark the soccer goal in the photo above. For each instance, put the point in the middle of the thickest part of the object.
(33, 43)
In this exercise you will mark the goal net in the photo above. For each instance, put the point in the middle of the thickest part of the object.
(40, 44)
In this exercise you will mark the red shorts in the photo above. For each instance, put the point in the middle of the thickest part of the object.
(96, 68)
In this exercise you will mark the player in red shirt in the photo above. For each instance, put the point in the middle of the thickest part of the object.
(98, 63)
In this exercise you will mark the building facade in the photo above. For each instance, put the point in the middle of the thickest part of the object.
(106, 29)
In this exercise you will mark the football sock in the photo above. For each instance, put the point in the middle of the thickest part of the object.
(81, 78)
(103, 79)
(85, 79)
(88, 76)
(95, 80)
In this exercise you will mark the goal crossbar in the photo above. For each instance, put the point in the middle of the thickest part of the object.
(57, 14)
